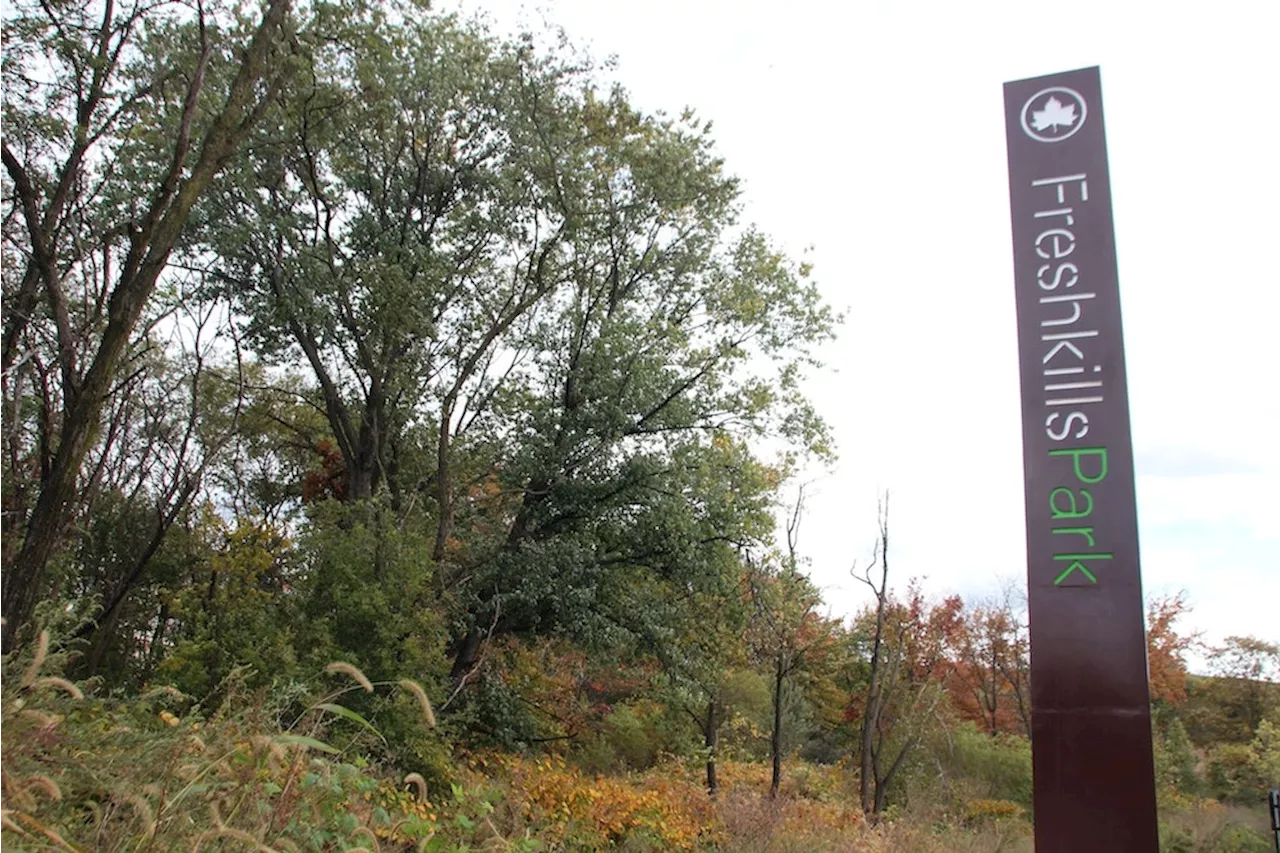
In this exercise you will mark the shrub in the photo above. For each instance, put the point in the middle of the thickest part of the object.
(1000, 764)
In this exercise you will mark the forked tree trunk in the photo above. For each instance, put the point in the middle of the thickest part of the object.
(146, 260)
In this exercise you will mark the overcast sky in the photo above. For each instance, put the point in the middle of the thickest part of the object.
(874, 133)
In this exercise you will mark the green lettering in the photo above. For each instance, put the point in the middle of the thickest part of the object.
(1059, 512)
(1086, 532)
(1076, 454)
(1077, 565)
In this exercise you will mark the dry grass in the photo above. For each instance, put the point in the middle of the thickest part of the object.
(755, 823)
(87, 774)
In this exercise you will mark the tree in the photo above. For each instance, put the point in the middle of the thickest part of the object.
(167, 427)
(97, 226)
(787, 628)
(1176, 759)
(1167, 650)
(907, 670)
(412, 215)
(992, 661)
(1266, 751)
(702, 654)
(521, 300)
(1250, 673)
(1226, 707)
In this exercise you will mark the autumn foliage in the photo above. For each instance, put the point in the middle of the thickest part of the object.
(1167, 649)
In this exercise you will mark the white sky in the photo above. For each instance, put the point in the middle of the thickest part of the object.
(874, 132)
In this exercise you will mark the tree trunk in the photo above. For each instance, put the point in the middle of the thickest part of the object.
(712, 735)
(101, 641)
(882, 793)
(360, 482)
(883, 782)
(148, 256)
(866, 768)
(468, 651)
(868, 781)
(157, 637)
(444, 489)
(993, 701)
(776, 742)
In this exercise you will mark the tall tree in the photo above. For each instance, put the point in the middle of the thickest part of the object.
(84, 82)
(498, 275)
(1167, 650)
(403, 213)
(529, 304)
(908, 667)
(787, 629)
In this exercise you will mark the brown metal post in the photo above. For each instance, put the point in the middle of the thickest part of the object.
(1094, 785)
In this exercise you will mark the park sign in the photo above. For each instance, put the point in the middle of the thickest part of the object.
(1094, 786)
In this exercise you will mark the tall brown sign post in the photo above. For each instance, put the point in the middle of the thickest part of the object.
(1094, 782)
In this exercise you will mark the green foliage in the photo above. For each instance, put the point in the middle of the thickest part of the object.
(1244, 691)
(231, 607)
(364, 584)
(1000, 764)
(1176, 760)
(633, 744)
(1230, 767)
(1213, 829)
(1243, 773)
(1266, 754)
(489, 361)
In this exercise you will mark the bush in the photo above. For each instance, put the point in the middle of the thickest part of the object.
(1230, 772)
(157, 772)
(1001, 765)
(1206, 826)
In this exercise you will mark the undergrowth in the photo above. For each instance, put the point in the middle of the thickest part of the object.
(290, 771)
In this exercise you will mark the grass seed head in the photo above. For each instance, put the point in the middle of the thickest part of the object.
(143, 810)
(417, 781)
(61, 684)
(352, 671)
(44, 783)
(37, 660)
(423, 702)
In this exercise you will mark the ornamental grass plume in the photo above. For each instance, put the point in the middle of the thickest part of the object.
(61, 684)
(368, 833)
(40, 718)
(142, 809)
(230, 832)
(423, 702)
(44, 783)
(37, 660)
(418, 782)
(352, 671)
(8, 824)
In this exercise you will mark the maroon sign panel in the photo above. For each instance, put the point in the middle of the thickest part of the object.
(1090, 713)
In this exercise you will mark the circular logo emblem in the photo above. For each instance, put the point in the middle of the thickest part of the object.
(1053, 114)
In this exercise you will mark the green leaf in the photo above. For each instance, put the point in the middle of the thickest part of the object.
(308, 743)
(351, 715)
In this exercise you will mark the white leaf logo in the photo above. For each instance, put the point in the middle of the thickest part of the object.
(1055, 114)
